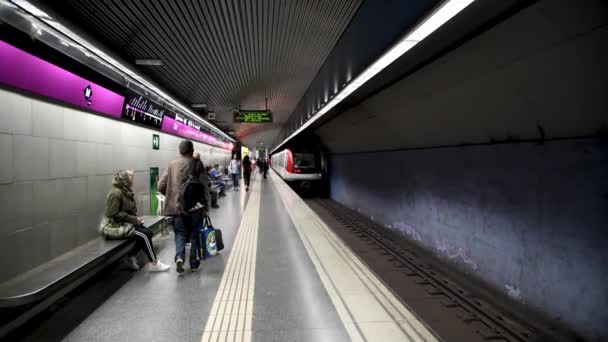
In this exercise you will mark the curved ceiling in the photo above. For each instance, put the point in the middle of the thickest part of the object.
(225, 54)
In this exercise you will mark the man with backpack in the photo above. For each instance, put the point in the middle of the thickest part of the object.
(185, 186)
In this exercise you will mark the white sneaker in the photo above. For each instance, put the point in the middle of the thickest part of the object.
(131, 263)
(159, 267)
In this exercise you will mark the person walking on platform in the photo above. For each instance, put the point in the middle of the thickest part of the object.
(246, 171)
(234, 172)
(121, 211)
(171, 183)
(265, 166)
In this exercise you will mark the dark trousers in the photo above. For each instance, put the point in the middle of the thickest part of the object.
(265, 172)
(143, 242)
(213, 195)
(247, 176)
(187, 227)
(235, 179)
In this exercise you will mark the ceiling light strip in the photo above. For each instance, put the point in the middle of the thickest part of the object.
(431, 23)
(36, 12)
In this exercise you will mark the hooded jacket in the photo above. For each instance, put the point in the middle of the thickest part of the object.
(120, 203)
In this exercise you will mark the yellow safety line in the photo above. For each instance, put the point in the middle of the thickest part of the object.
(232, 309)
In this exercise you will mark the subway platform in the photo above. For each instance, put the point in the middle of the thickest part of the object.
(283, 276)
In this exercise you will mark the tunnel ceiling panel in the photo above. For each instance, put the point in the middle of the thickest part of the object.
(224, 54)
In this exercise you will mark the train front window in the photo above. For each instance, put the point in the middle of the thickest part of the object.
(304, 160)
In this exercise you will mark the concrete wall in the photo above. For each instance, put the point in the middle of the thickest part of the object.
(545, 66)
(529, 219)
(56, 166)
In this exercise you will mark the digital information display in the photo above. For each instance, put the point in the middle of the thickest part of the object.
(139, 109)
(253, 116)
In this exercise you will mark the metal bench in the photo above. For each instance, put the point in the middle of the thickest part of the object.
(38, 288)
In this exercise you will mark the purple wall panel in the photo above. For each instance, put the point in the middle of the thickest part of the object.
(172, 126)
(25, 71)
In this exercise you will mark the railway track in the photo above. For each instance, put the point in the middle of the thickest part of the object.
(483, 318)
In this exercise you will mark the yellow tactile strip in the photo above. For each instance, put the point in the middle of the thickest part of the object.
(367, 308)
(231, 313)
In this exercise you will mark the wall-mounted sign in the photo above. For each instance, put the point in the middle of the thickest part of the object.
(155, 141)
(22, 70)
(139, 109)
(253, 116)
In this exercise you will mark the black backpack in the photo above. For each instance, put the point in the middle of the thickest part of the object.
(192, 191)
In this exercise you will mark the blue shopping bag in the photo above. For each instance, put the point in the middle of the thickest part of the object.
(207, 239)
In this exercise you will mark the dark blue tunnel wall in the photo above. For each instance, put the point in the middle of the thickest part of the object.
(529, 219)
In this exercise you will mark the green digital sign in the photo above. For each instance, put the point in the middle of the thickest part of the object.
(253, 116)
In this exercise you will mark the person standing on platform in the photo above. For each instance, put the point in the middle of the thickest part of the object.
(185, 222)
(246, 171)
(234, 172)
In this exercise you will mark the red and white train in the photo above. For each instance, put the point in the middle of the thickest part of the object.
(304, 168)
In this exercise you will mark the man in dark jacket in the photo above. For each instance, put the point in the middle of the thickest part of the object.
(184, 224)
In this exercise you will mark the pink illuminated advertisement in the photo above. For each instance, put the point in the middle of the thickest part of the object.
(22, 70)
(172, 126)
(27, 72)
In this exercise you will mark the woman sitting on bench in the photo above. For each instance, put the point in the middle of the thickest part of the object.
(120, 209)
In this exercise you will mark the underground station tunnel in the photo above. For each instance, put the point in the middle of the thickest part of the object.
(304, 170)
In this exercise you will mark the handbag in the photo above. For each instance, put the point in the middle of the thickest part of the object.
(118, 231)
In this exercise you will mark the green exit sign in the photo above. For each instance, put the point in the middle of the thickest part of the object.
(155, 141)
(253, 116)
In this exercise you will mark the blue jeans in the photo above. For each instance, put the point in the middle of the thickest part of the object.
(235, 179)
(186, 227)
(222, 185)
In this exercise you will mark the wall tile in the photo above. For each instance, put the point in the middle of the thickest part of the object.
(75, 190)
(85, 159)
(63, 235)
(98, 188)
(15, 113)
(112, 132)
(6, 158)
(33, 239)
(49, 201)
(16, 210)
(31, 158)
(62, 158)
(141, 182)
(87, 227)
(75, 124)
(47, 119)
(8, 268)
(103, 159)
(136, 158)
(96, 128)
(129, 135)
(119, 158)
(153, 158)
